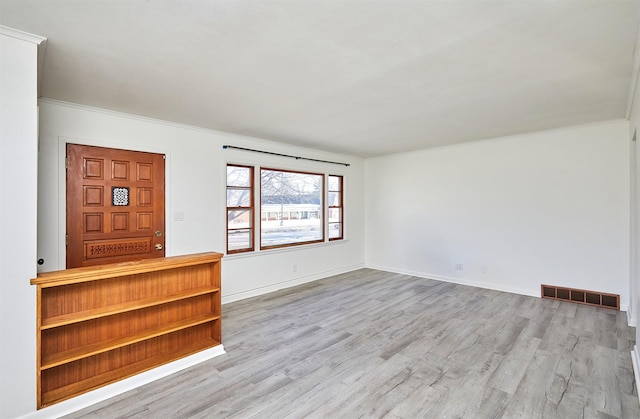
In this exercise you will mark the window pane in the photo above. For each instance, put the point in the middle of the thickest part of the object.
(238, 240)
(240, 233)
(334, 183)
(302, 234)
(238, 197)
(291, 207)
(239, 219)
(335, 210)
(335, 230)
(334, 215)
(238, 176)
(334, 199)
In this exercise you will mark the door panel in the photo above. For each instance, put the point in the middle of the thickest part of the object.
(115, 205)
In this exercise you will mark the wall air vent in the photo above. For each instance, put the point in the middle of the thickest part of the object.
(592, 298)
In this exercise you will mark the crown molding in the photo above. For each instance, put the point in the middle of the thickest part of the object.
(39, 41)
(23, 36)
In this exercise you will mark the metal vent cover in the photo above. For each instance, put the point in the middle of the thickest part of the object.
(593, 298)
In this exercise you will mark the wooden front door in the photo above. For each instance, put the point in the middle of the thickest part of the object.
(115, 205)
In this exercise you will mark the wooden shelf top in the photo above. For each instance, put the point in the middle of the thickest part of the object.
(114, 270)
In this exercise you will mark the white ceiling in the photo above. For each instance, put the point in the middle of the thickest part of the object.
(358, 77)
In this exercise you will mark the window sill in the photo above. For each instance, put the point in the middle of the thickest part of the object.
(268, 252)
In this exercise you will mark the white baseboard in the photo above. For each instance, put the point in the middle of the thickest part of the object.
(473, 283)
(461, 281)
(631, 321)
(85, 400)
(287, 284)
(635, 359)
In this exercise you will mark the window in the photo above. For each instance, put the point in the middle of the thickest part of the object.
(240, 229)
(294, 208)
(336, 213)
(291, 208)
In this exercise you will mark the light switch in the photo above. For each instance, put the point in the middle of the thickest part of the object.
(178, 216)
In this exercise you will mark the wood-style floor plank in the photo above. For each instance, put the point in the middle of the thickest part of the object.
(372, 344)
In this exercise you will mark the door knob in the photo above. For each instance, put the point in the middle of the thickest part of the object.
(158, 246)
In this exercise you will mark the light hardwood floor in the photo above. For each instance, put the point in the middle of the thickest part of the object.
(375, 344)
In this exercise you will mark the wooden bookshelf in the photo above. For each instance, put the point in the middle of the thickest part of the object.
(97, 325)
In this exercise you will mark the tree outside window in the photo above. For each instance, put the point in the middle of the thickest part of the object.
(291, 208)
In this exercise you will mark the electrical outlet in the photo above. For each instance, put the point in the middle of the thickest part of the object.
(295, 268)
(459, 266)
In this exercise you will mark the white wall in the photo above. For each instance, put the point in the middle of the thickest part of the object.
(195, 184)
(18, 172)
(549, 207)
(634, 284)
(633, 231)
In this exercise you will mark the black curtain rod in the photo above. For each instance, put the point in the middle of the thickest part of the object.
(283, 155)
